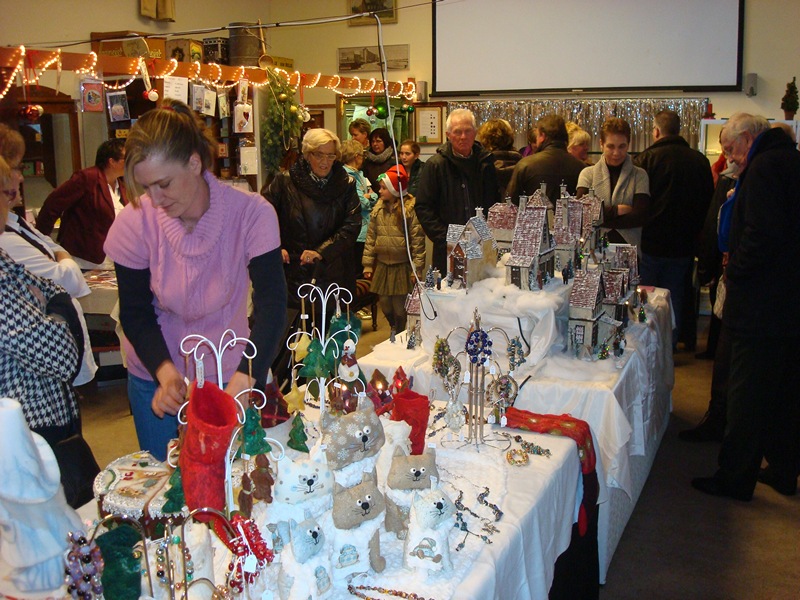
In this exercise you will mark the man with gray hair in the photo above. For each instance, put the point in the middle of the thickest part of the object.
(459, 178)
(760, 229)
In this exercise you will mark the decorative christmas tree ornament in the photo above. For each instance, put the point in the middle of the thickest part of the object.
(410, 108)
(642, 315)
(253, 435)
(295, 399)
(370, 111)
(293, 108)
(152, 95)
(297, 435)
(381, 110)
(603, 352)
(31, 112)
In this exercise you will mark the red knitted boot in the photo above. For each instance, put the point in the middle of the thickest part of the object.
(211, 417)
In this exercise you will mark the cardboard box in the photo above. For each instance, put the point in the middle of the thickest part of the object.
(184, 50)
(109, 43)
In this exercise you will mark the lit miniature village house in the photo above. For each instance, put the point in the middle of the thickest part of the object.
(531, 263)
(567, 230)
(585, 308)
(471, 251)
(501, 220)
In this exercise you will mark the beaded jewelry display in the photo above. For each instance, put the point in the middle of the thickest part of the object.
(444, 363)
(516, 356)
(461, 525)
(355, 591)
(487, 526)
(479, 347)
(504, 389)
(163, 569)
(517, 458)
(532, 448)
(498, 514)
(84, 567)
(250, 554)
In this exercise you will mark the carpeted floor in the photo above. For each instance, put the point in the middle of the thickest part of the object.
(679, 543)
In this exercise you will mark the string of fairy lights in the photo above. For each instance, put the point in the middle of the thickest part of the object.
(25, 73)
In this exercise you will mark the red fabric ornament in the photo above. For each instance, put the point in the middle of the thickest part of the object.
(414, 409)
(568, 426)
(211, 417)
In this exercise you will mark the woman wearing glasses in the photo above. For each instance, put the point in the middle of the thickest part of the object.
(186, 250)
(319, 215)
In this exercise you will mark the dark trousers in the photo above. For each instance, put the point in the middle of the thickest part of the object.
(763, 410)
(718, 406)
(670, 273)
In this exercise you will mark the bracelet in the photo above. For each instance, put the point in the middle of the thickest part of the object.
(354, 590)
(517, 458)
(84, 567)
(532, 448)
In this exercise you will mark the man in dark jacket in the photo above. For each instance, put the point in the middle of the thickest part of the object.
(457, 180)
(681, 187)
(760, 313)
(551, 164)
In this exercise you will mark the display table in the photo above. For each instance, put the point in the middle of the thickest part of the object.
(101, 319)
(626, 401)
(539, 501)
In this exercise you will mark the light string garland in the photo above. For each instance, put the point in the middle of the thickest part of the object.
(211, 74)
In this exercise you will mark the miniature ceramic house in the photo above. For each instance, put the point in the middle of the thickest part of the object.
(471, 250)
(501, 220)
(567, 231)
(585, 308)
(592, 220)
(618, 293)
(607, 329)
(623, 256)
(531, 263)
(413, 309)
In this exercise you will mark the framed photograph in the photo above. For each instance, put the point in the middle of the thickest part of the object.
(386, 9)
(91, 96)
(118, 106)
(367, 58)
(429, 124)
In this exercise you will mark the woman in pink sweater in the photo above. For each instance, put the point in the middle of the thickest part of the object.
(186, 250)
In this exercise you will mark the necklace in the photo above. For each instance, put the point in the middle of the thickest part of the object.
(532, 448)
(354, 590)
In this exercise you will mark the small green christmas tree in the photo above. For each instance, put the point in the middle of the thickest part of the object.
(603, 354)
(297, 435)
(253, 441)
(790, 102)
(174, 495)
(642, 315)
(316, 363)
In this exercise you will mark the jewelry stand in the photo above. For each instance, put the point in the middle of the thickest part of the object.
(322, 333)
(478, 350)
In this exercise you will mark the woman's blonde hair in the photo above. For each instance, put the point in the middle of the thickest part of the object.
(315, 138)
(350, 150)
(577, 135)
(172, 132)
(12, 144)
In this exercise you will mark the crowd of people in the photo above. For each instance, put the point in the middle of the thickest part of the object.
(188, 250)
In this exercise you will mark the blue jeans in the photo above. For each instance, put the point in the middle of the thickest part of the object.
(670, 273)
(153, 433)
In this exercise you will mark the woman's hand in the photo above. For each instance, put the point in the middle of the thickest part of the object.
(239, 382)
(171, 391)
(309, 256)
(285, 256)
(368, 275)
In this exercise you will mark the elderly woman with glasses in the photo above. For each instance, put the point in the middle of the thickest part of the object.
(319, 215)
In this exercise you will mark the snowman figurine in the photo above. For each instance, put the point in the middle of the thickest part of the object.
(348, 365)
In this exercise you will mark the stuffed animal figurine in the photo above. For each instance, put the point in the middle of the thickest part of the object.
(427, 546)
(357, 517)
(305, 570)
(352, 441)
(407, 474)
(304, 484)
(396, 434)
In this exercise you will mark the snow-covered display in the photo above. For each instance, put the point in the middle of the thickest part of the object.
(532, 259)
(471, 251)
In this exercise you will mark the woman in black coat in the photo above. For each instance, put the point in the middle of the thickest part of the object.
(379, 157)
(319, 215)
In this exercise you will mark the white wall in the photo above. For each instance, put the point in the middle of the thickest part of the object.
(771, 43)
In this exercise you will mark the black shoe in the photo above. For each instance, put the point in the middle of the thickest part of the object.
(710, 429)
(704, 355)
(787, 487)
(715, 487)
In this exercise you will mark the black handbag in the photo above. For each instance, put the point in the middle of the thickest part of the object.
(78, 469)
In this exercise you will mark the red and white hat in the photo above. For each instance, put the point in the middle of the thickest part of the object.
(395, 178)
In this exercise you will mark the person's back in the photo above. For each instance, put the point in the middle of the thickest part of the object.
(681, 186)
(551, 164)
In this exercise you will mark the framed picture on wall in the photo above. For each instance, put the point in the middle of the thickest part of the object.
(429, 127)
(367, 58)
(386, 9)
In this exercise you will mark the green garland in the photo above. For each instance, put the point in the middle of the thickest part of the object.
(281, 121)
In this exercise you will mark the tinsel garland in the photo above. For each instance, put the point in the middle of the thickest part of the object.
(590, 114)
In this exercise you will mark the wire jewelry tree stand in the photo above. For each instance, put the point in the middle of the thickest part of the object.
(478, 352)
(324, 345)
